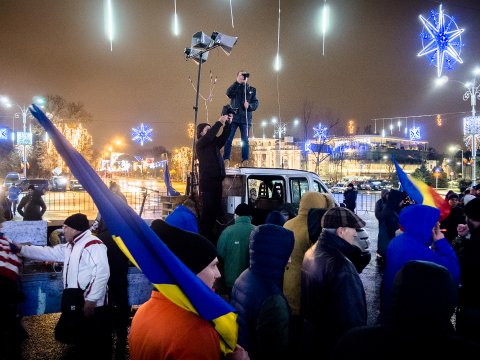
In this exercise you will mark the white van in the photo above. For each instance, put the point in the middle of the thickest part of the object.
(266, 189)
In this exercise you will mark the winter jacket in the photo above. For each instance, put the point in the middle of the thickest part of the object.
(299, 226)
(85, 267)
(211, 166)
(415, 243)
(236, 94)
(388, 222)
(423, 302)
(333, 297)
(350, 199)
(32, 207)
(449, 224)
(468, 252)
(183, 218)
(263, 313)
(232, 248)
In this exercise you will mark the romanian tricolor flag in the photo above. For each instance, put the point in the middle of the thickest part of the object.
(422, 193)
(144, 248)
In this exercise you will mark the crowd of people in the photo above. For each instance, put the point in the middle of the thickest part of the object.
(294, 284)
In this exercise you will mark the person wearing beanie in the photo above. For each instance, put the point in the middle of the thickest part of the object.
(211, 171)
(163, 330)
(232, 246)
(350, 197)
(263, 313)
(467, 249)
(421, 239)
(85, 267)
(275, 217)
(32, 207)
(332, 298)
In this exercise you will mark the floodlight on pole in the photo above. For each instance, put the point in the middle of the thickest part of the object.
(198, 52)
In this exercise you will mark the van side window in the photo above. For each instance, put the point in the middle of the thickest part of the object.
(319, 187)
(298, 187)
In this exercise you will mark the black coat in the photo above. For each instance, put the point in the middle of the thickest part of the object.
(236, 93)
(333, 297)
(32, 207)
(350, 199)
(211, 167)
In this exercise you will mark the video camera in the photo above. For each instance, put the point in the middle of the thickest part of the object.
(227, 110)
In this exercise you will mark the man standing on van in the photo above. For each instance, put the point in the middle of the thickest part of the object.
(211, 171)
(244, 98)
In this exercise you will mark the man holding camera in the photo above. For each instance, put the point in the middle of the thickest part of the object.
(243, 98)
(211, 170)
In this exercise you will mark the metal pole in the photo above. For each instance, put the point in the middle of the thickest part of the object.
(194, 154)
(24, 118)
(462, 164)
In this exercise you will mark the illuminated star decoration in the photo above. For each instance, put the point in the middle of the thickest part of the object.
(142, 134)
(320, 132)
(441, 40)
(415, 133)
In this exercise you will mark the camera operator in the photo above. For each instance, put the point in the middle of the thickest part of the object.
(244, 98)
(211, 169)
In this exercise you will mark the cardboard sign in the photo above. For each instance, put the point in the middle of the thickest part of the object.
(33, 232)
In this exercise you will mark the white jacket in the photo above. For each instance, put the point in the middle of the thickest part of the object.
(84, 267)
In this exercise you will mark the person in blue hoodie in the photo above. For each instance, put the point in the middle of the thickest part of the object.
(184, 216)
(263, 311)
(421, 240)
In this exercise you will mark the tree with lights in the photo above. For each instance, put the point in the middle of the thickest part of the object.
(181, 159)
(68, 117)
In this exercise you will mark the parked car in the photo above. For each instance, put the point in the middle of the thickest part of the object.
(75, 185)
(12, 178)
(39, 184)
(338, 188)
(58, 183)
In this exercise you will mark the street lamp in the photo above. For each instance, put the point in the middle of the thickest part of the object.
(25, 138)
(454, 148)
(471, 125)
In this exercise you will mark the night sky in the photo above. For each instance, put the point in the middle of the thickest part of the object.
(370, 68)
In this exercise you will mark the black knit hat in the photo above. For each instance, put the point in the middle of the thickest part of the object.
(31, 187)
(200, 128)
(243, 210)
(472, 209)
(341, 217)
(194, 250)
(78, 222)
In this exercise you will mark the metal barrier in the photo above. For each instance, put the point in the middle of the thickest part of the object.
(365, 200)
(154, 204)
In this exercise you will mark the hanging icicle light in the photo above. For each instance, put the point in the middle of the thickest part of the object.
(277, 64)
(109, 23)
(175, 24)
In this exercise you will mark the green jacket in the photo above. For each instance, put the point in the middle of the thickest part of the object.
(232, 248)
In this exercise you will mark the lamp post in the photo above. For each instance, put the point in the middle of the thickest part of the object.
(24, 140)
(471, 125)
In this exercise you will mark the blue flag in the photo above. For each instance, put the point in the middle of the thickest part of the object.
(144, 248)
(168, 182)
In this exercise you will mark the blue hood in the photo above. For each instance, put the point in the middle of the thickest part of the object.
(418, 221)
(270, 248)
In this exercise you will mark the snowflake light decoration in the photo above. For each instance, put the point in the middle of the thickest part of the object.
(142, 134)
(320, 132)
(415, 133)
(279, 130)
(441, 40)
